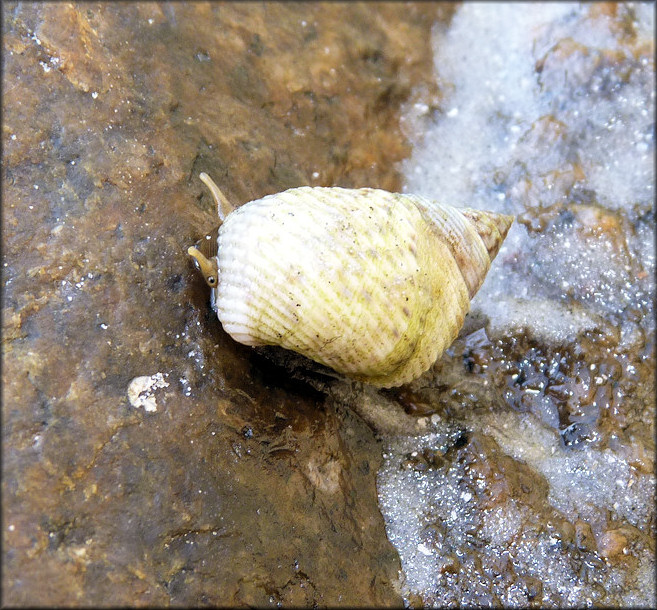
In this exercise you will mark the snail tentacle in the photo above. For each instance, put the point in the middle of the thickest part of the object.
(224, 206)
(207, 266)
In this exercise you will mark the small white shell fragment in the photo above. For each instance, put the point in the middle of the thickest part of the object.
(141, 391)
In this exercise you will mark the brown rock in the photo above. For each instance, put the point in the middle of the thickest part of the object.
(612, 543)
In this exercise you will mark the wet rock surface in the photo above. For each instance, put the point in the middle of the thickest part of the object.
(147, 458)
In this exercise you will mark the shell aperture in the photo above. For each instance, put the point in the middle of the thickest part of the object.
(373, 284)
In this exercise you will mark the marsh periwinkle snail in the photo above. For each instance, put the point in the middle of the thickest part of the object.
(375, 285)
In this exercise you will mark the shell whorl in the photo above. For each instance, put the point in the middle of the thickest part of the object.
(375, 285)
(474, 237)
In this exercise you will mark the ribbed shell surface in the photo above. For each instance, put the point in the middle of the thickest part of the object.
(373, 284)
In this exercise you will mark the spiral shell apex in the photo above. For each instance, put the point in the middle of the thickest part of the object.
(373, 284)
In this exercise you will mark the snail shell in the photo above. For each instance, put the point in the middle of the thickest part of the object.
(373, 284)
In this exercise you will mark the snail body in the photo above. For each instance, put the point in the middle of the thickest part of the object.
(375, 285)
